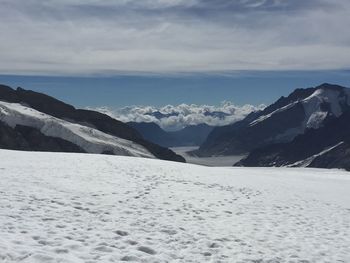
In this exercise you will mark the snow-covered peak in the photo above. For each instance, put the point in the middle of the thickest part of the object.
(317, 106)
(335, 100)
(89, 139)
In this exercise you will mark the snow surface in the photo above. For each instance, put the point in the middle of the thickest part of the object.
(89, 139)
(59, 207)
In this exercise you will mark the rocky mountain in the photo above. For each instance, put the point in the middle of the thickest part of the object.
(281, 122)
(31, 139)
(325, 147)
(192, 135)
(67, 128)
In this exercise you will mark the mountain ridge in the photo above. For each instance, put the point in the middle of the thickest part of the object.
(280, 122)
(324, 147)
(56, 108)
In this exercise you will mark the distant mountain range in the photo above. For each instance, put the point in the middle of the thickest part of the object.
(37, 122)
(308, 128)
(217, 114)
(192, 135)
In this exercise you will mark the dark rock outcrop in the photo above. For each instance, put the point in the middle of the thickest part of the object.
(325, 147)
(337, 157)
(30, 139)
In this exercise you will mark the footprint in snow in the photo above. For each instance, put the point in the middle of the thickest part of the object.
(129, 258)
(147, 250)
(121, 233)
(131, 242)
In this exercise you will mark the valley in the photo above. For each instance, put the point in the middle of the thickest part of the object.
(215, 161)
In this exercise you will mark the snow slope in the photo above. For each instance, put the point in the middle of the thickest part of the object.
(59, 207)
(89, 139)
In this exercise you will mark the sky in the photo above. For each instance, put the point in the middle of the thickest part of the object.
(156, 52)
(240, 88)
(51, 37)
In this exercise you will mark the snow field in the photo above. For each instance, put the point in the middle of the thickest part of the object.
(58, 207)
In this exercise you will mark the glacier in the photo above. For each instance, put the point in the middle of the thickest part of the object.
(64, 207)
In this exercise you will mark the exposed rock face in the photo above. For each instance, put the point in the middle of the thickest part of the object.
(281, 122)
(59, 109)
(325, 147)
(99, 121)
(337, 157)
(30, 139)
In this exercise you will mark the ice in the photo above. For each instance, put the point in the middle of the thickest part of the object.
(60, 207)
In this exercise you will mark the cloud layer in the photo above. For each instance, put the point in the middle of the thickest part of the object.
(172, 118)
(167, 36)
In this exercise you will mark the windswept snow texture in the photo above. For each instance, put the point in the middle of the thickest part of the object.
(58, 207)
(89, 139)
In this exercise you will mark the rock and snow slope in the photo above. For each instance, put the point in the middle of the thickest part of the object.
(89, 139)
(322, 102)
(325, 147)
(27, 138)
(58, 207)
(280, 122)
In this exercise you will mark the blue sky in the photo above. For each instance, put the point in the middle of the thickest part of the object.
(118, 91)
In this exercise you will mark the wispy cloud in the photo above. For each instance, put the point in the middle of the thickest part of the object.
(175, 117)
(163, 36)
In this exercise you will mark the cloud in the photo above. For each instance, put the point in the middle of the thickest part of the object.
(166, 36)
(172, 117)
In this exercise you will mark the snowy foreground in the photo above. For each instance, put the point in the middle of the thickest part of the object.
(57, 207)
